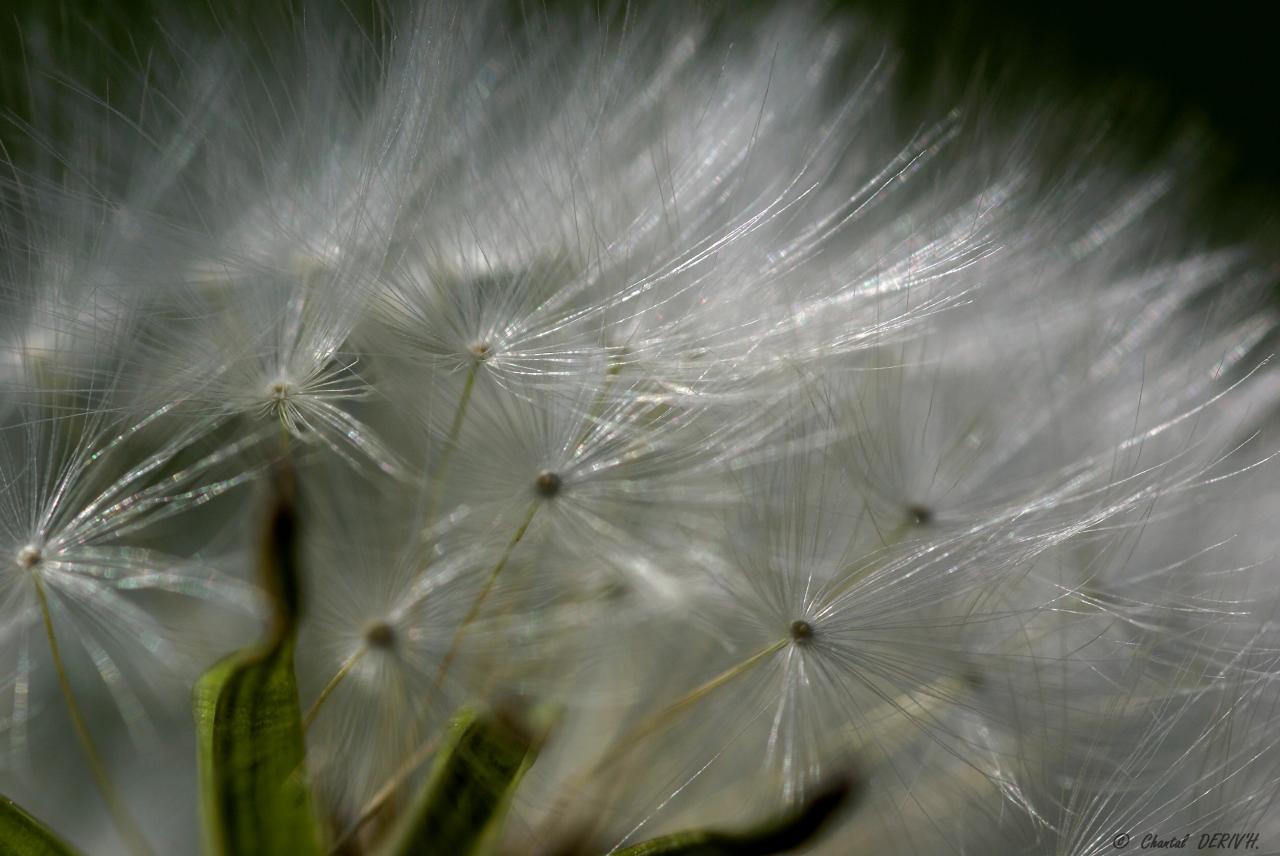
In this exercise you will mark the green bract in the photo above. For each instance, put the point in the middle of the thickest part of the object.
(461, 805)
(23, 835)
(251, 747)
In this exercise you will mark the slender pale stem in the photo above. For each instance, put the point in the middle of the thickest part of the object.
(371, 808)
(433, 504)
(343, 670)
(895, 535)
(454, 645)
(124, 822)
(602, 397)
(455, 430)
(656, 721)
(489, 583)
(423, 752)
(622, 745)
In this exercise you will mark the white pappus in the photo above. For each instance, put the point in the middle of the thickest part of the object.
(658, 366)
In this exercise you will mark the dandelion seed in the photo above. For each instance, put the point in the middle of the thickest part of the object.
(380, 635)
(548, 484)
(920, 515)
(387, 609)
(801, 631)
(29, 557)
(694, 387)
(72, 497)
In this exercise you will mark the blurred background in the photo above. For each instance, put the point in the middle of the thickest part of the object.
(1209, 65)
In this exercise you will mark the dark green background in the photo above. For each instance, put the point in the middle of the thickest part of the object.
(1169, 64)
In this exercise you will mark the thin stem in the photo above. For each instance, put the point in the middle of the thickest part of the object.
(371, 808)
(456, 642)
(620, 747)
(124, 822)
(656, 721)
(455, 430)
(422, 753)
(484, 593)
(342, 672)
(894, 537)
(601, 402)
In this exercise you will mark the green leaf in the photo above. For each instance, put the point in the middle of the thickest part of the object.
(23, 835)
(787, 832)
(251, 747)
(251, 750)
(462, 803)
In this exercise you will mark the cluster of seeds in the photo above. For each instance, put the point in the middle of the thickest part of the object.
(638, 368)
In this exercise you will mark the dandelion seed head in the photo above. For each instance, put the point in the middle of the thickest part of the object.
(380, 635)
(29, 557)
(548, 484)
(279, 391)
(700, 391)
(920, 515)
(282, 403)
(801, 631)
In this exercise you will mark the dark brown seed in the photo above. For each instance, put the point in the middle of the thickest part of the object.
(920, 515)
(379, 635)
(547, 484)
(801, 631)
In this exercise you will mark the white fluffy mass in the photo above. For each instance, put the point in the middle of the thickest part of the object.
(654, 366)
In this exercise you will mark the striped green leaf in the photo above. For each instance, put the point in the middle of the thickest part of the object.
(460, 807)
(23, 835)
(251, 747)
